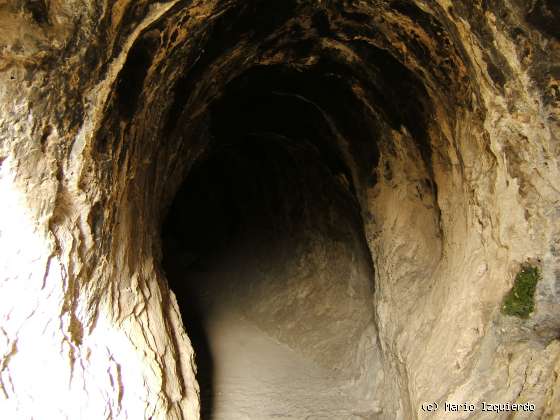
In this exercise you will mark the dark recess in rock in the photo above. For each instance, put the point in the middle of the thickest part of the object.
(131, 78)
(276, 100)
(44, 137)
(180, 97)
(39, 10)
(321, 22)
(545, 16)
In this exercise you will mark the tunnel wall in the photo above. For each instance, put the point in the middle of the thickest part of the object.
(473, 225)
(89, 328)
(103, 110)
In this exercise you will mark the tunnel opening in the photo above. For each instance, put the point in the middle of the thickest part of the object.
(264, 248)
(303, 163)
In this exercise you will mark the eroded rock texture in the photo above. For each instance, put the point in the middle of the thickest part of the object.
(425, 132)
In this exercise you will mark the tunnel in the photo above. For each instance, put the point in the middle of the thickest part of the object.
(314, 160)
(265, 248)
(266, 241)
(300, 209)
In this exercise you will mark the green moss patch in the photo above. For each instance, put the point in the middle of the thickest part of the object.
(520, 301)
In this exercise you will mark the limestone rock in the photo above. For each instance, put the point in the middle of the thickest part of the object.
(439, 121)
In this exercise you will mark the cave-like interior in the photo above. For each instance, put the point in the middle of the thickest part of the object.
(267, 228)
(258, 209)
(265, 243)
(289, 134)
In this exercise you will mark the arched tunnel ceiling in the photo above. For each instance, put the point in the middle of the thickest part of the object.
(366, 68)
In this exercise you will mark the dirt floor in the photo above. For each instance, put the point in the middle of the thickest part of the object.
(244, 373)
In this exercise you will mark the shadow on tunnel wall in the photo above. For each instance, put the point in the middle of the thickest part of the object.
(195, 231)
(192, 315)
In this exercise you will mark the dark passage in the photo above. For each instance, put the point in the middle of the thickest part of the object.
(264, 248)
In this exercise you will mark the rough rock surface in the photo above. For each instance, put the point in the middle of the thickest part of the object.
(441, 119)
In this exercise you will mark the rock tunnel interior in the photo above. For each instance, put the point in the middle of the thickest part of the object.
(267, 225)
(281, 140)
(259, 209)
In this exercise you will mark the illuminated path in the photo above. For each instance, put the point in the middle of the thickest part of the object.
(255, 377)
